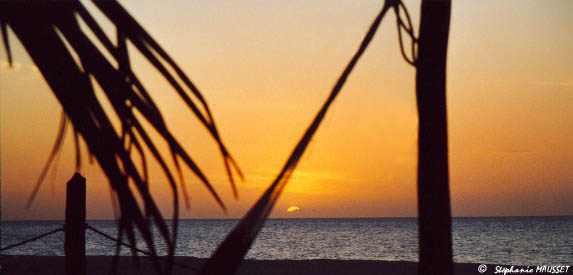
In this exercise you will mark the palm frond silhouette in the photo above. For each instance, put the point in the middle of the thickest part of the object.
(44, 28)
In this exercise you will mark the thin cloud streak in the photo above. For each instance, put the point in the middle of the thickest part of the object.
(553, 83)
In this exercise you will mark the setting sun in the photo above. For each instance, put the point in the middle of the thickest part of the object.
(420, 135)
(293, 209)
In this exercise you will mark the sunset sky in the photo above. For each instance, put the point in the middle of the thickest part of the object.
(265, 68)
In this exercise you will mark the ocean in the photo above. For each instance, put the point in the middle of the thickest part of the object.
(496, 240)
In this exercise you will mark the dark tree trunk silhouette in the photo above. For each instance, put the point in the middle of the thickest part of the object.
(433, 180)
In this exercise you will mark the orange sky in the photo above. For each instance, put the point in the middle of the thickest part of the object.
(266, 67)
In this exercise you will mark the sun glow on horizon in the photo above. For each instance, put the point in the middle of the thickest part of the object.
(265, 70)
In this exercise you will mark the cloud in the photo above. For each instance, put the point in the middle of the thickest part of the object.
(513, 152)
(553, 83)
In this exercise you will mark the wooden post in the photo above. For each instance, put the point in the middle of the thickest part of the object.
(434, 214)
(75, 238)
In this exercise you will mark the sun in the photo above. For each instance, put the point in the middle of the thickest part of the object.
(292, 209)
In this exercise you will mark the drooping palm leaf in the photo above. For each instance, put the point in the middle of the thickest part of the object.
(53, 155)
(5, 41)
(45, 30)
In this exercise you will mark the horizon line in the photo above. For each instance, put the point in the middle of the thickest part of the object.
(310, 218)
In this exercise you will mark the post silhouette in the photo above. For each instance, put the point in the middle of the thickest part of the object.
(434, 214)
(75, 238)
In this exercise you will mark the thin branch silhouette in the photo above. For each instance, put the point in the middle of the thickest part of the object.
(56, 149)
(230, 253)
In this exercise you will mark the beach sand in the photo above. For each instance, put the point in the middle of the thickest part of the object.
(48, 265)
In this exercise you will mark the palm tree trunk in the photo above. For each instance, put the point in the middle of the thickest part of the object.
(433, 181)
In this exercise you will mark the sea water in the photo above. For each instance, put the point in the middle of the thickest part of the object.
(496, 240)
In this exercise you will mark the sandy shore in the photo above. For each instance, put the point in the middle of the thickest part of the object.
(47, 265)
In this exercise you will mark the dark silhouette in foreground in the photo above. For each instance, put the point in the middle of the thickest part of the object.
(49, 29)
(53, 265)
(75, 226)
(434, 216)
(72, 64)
